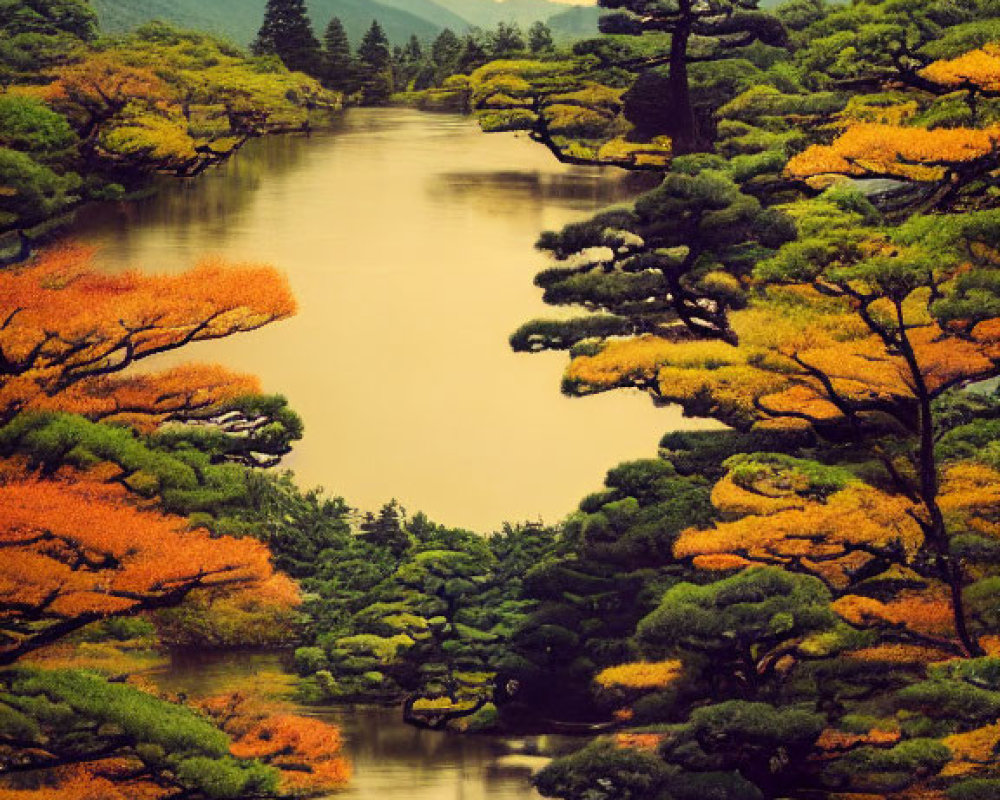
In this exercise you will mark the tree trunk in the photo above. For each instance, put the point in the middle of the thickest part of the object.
(935, 528)
(684, 130)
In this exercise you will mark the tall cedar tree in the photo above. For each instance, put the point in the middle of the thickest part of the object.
(375, 62)
(339, 69)
(699, 32)
(287, 33)
(446, 48)
(540, 38)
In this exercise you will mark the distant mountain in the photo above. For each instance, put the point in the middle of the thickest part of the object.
(357, 16)
(432, 11)
(577, 22)
(239, 20)
(487, 13)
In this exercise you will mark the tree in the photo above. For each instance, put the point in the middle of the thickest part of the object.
(304, 751)
(540, 38)
(235, 97)
(886, 323)
(562, 104)
(744, 624)
(76, 553)
(673, 266)
(72, 17)
(594, 585)
(386, 530)
(945, 162)
(338, 59)
(32, 127)
(61, 731)
(37, 35)
(868, 44)
(698, 31)
(66, 323)
(95, 90)
(474, 53)
(287, 33)
(857, 483)
(375, 64)
(506, 40)
(32, 191)
(446, 49)
(413, 52)
(75, 735)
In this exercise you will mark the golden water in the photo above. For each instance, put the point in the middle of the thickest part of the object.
(408, 238)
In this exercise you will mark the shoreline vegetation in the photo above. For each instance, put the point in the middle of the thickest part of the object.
(86, 118)
(802, 604)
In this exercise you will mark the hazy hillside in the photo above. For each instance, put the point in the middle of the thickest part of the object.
(579, 22)
(239, 20)
(487, 13)
(432, 11)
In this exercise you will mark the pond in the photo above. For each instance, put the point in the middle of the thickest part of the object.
(391, 760)
(408, 239)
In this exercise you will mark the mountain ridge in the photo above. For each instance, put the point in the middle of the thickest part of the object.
(239, 20)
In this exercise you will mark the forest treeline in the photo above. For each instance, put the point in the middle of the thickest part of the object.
(375, 71)
(800, 605)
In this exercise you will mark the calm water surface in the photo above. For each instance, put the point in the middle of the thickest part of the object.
(408, 238)
(391, 760)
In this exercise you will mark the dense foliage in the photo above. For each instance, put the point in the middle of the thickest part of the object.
(115, 486)
(85, 118)
(801, 604)
(816, 271)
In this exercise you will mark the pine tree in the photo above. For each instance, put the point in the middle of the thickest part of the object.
(540, 38)
(287, 33)
(375, 62)
(339, 70)
(446, 49)
(699, 31)
(413, 51)
(473, 54)
(506, 39)
(387, 529)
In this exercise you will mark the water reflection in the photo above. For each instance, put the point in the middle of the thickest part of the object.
(514, 190)
(391, 760)
(408, 238)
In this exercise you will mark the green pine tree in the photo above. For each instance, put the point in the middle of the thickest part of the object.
(339, 69)
(540, 38)
(287, 33)
(375, 66)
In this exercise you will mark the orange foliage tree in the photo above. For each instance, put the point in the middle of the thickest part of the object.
(946, 160)
(74, 553)
(67, 330)
(146, 401)
(856, 331)
(864, 542)
(977, 71)
(79, 547)
(99, 87)
(305, 751)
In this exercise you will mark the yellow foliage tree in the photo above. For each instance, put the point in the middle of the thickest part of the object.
(854, 332)
(67, 326)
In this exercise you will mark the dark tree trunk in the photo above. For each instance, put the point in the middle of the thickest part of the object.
(684, 130)
(935, 528)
